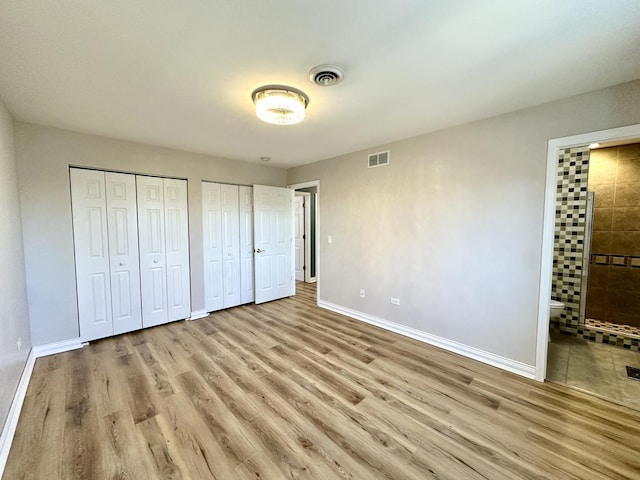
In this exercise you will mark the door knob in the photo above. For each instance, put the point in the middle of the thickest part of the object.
(155, 261)
(121, 264)
(259, 250)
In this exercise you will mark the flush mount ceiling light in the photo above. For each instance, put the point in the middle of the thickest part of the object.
(280, 105)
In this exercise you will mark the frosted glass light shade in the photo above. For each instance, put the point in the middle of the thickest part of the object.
(280, 105)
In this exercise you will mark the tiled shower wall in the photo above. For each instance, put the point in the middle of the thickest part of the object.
(571, 207)
(613, 292)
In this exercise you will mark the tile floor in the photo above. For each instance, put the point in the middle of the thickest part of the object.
(594, 367)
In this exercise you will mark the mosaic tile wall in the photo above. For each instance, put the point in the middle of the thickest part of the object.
(571, 207)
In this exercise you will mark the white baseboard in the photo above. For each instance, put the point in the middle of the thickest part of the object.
(199, 314)
(14, 412)
(465, 350)
(10, 425)
(58, 347)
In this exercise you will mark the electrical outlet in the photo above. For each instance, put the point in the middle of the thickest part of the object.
(19, 343)
(362, 293)
(395, 301)
(329, 239)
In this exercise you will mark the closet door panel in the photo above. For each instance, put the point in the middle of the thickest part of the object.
(177, 249)
(212, 245)
(122, 221)
(230, 245)
(89, 212)
(246, 244)
(151, 236)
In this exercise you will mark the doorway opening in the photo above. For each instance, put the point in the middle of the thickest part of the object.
(307, 228)
(302, 237)
(555, 147)
(593, 274)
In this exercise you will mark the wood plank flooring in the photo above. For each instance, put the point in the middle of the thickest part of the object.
(287, 390)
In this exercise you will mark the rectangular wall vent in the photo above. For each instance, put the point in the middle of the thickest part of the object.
(379, 159)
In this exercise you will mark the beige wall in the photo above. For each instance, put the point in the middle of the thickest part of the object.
(44, 155)
(14, 313)
(614, 275)
(453, 226)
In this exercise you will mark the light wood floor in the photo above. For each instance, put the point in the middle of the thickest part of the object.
(287, 390)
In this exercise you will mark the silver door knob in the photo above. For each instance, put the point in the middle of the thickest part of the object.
(155, 261)
(121, 264)
(259, 250)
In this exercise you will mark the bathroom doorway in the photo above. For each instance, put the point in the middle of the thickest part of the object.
(572, 273)
(596, 270)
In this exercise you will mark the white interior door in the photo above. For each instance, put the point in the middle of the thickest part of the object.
(92, 253)
(298, 237)
(177, 249)
(212, 245)
(122, 223)
(230, 246)
(246, 244)
(273, 243)
(153, 277)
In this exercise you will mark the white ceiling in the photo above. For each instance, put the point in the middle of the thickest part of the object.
(180, 73)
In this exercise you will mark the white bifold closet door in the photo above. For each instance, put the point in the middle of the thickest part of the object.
(230, 246)
(212, 245)
(106, 252)
(177, 245)
(246, 243)
(123, 252)
(164, 249)
(228, 278)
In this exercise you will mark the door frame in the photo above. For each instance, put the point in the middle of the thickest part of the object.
(313, 183)
(548, 227)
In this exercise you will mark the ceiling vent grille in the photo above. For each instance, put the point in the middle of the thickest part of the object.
(379, 159)
(326, 75)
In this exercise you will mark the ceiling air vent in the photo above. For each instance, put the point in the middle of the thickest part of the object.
(326, 75)
(379, 159)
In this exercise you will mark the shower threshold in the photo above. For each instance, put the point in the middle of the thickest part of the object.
(626, 330)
